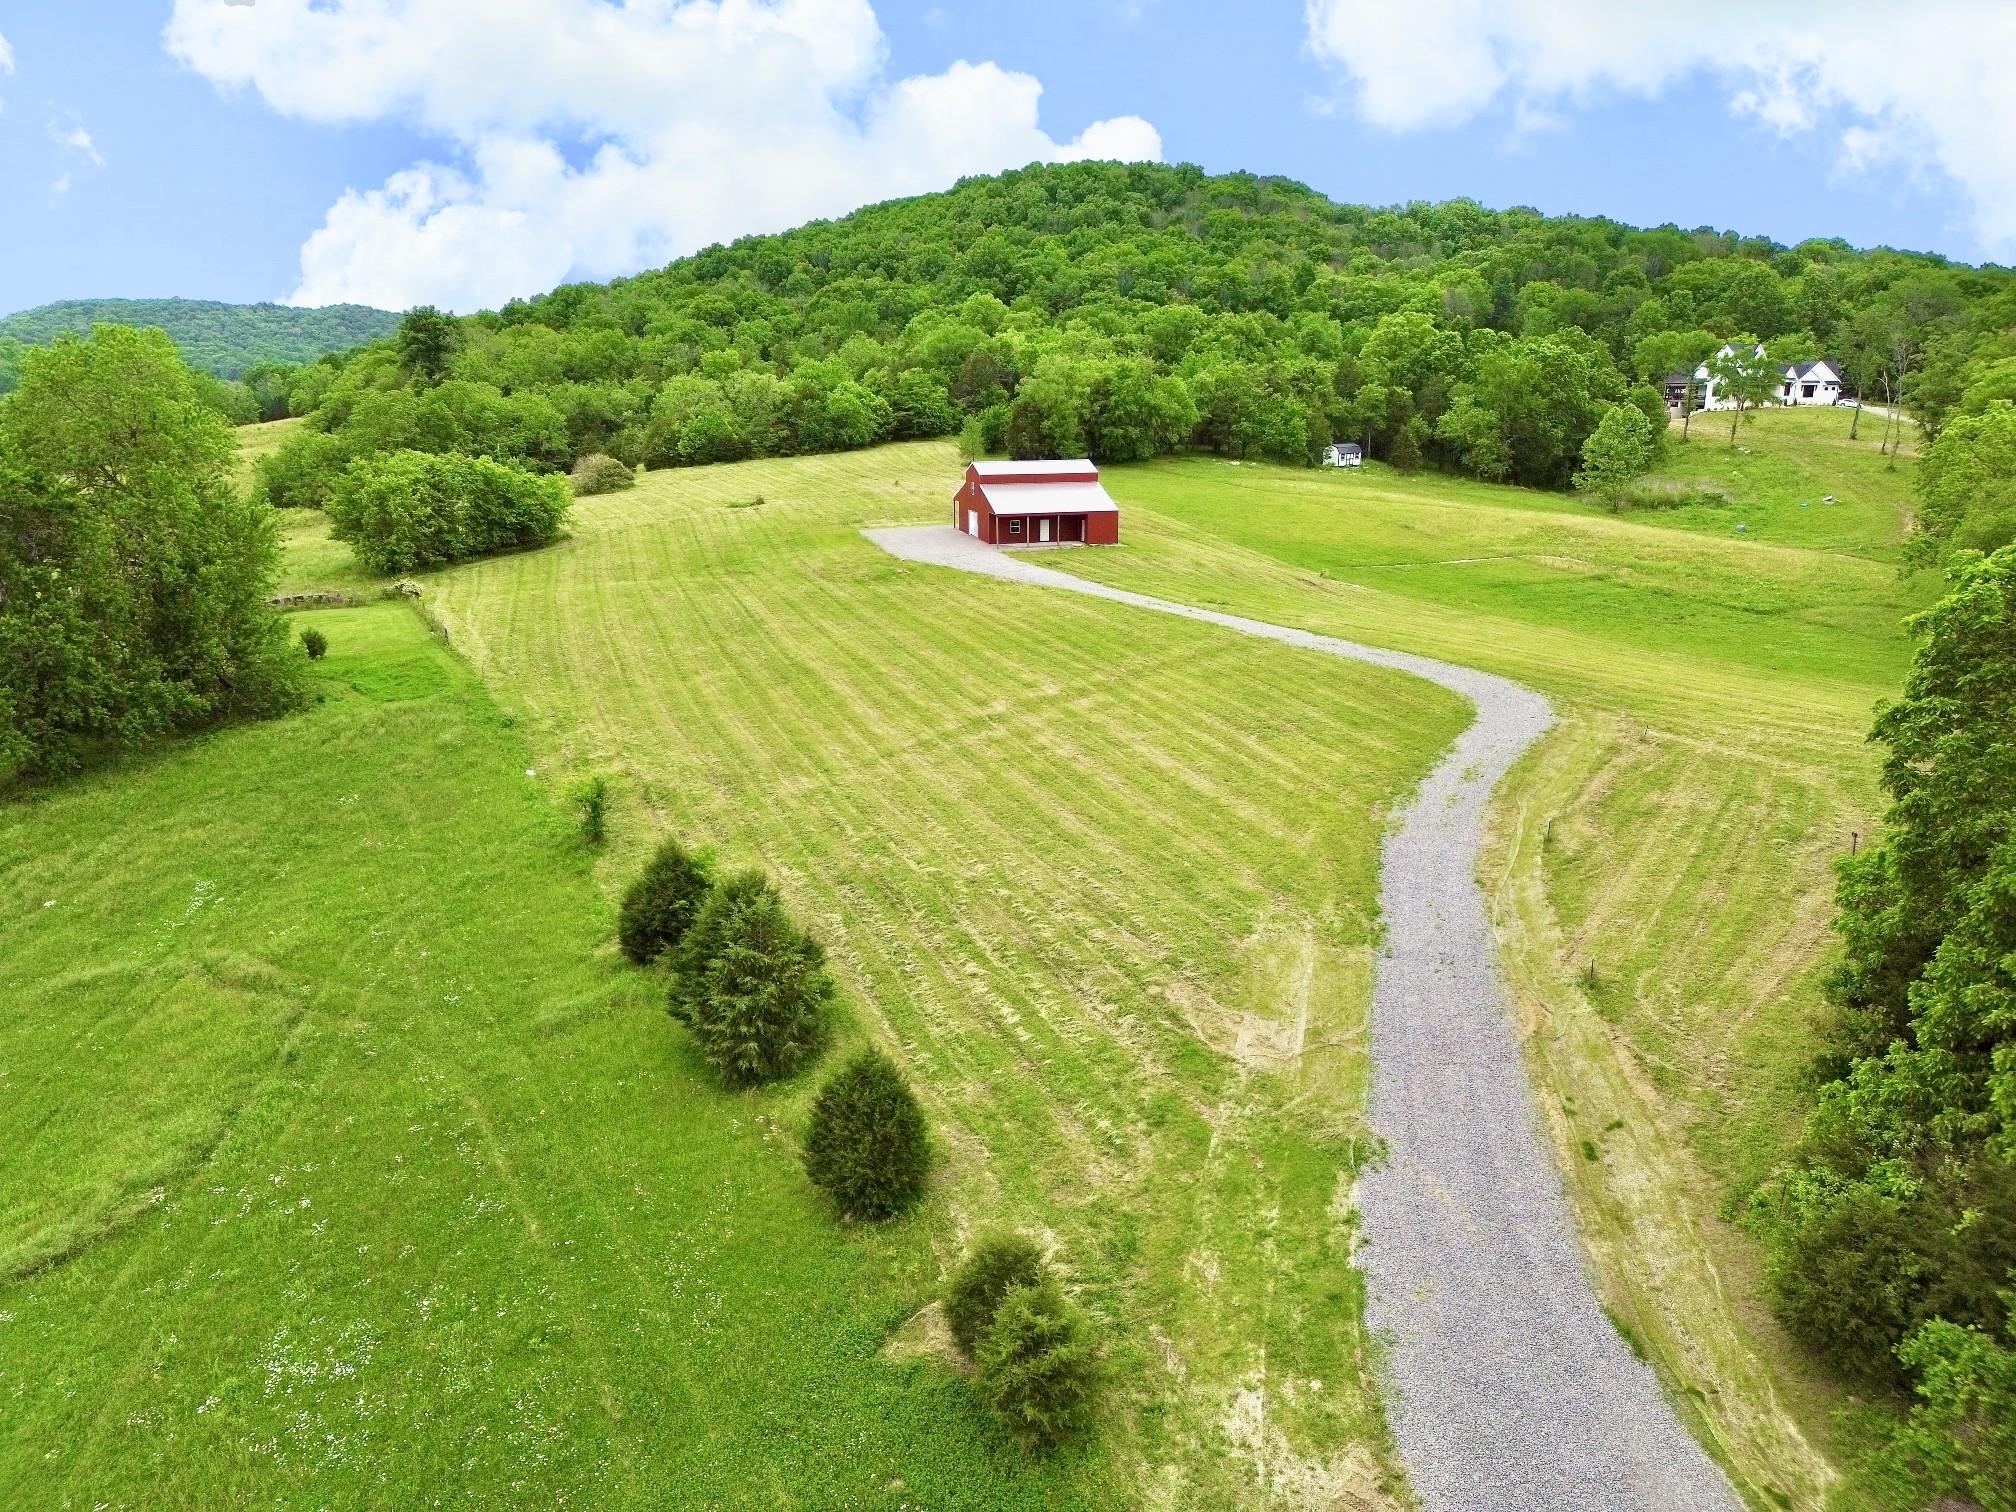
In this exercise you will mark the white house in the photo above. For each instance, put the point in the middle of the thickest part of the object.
(1811, 383)
(1799, 383)
(1343, 454)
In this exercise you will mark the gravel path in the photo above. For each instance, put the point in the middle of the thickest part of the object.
(1507, 1387)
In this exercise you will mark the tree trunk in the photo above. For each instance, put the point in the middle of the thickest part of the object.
(1856, 424)
(1686, 408)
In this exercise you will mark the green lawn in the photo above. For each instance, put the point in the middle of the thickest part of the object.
(342, 1163)
(1660, 862)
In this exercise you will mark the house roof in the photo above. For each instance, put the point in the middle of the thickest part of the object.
(1807, 369)
(1078, 469)
(1048, 498)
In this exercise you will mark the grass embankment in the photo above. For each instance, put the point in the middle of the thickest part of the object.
(344, 1164)
(1660, 866)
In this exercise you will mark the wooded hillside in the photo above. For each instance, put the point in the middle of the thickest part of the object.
(220, 339)
(1123, 310)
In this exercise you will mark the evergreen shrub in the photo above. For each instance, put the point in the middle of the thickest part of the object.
(752, 986)
(660, 905)
(867, 1147)
(1039, 1368)
(315, 643)
(995, 1263)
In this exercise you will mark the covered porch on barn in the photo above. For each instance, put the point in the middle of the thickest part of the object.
(1040, 530)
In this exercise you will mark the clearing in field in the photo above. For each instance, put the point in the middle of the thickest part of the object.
(446, 1204)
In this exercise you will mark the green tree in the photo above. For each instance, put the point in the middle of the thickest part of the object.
(1667, 354)
(1966, 486)
(921, 406)
(133, 574)
(428, 339)
(752, 986)
(1899, 1206)
(1616, 455)
(1038, 1365)
(661, 904)
(1963, 1429)
(1744, 374)
(867, 1146)
(995, 1262)
(407, 511)
(1047, 418)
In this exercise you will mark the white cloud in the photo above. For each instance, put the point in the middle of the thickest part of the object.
(75, 143)
(591, 138)
(1923, 87)
(6, 57)
(75, 138)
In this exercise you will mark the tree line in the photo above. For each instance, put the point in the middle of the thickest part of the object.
(1891, 1230)
(1118, 311)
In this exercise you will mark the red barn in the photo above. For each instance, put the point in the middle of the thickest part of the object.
(1035, 504)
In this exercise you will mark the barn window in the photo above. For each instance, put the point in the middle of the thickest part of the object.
(1014, 527)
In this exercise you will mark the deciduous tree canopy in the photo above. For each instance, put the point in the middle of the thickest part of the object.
(133, 576)
(1119, 310)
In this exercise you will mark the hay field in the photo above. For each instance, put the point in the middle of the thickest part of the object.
(1661, 863)
(344, 1163)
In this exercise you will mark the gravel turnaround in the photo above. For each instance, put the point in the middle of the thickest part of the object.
(1506, 1385)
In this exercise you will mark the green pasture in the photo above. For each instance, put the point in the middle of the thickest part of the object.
(342, 1162)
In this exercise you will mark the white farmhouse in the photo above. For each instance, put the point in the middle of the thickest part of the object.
(1800, 383)
(1811, 383)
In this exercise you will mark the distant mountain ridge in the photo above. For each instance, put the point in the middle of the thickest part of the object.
(224, 339)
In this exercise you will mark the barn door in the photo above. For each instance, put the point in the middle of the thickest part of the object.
(1043, 529)
(973, 522)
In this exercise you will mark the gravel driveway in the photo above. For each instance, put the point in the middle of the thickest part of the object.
(1507, 1387)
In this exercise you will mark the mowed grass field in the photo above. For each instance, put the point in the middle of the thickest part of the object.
(343, 1163)
(1660, 868)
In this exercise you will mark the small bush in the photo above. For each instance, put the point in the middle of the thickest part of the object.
(751, 984)
(315, 643)
(599, 473)
(591, 799)
(1039, 1369)
(408, 510)
(661, 904)
(995, 1263)
(867, 1148)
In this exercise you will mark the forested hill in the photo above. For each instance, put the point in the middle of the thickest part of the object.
(1121, 310)
(221, 339)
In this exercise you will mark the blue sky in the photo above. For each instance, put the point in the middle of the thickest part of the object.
(202, 165)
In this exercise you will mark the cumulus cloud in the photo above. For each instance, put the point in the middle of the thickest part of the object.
(1922, 89)
(589, 138)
